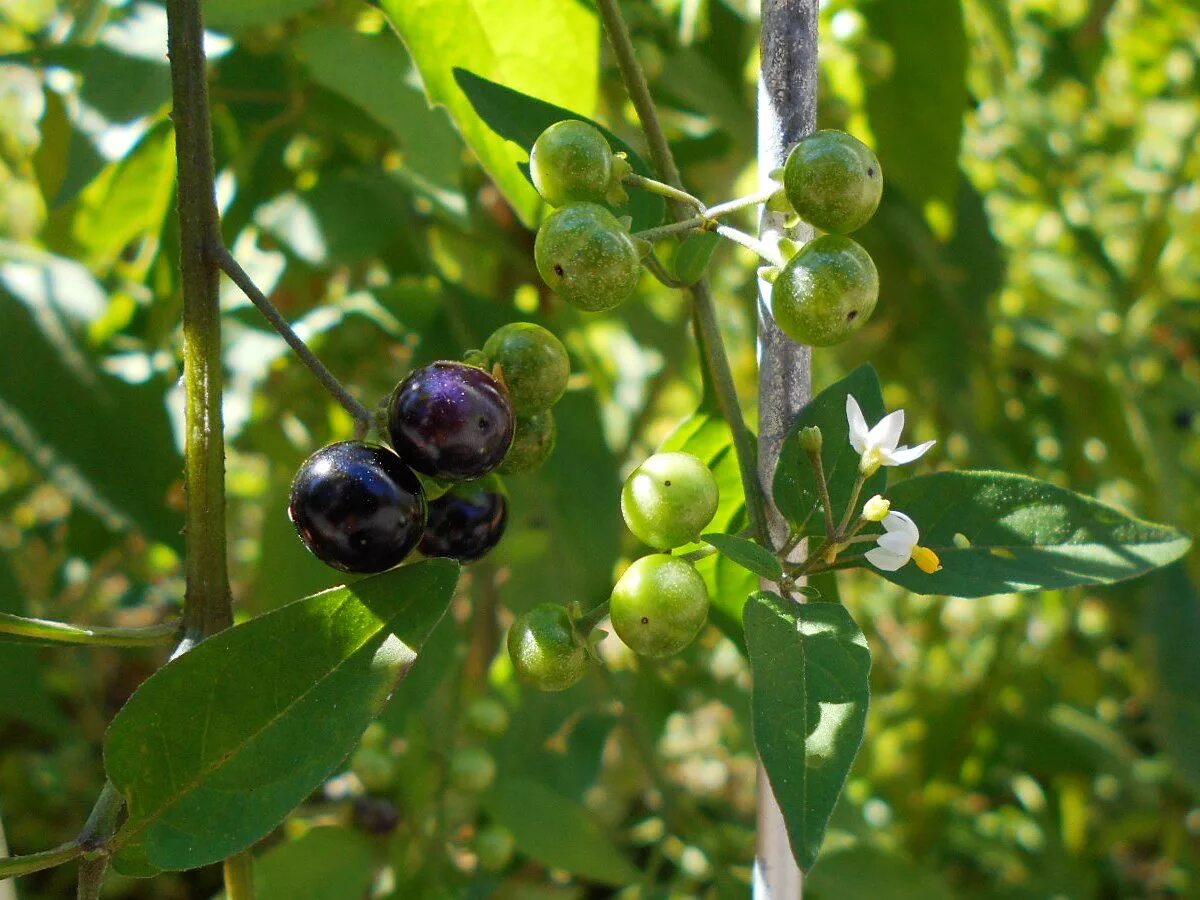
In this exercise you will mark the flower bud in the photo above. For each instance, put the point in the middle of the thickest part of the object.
(876, 509)
(811, 439)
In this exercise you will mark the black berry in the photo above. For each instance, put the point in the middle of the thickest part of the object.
(451, 421)
(465, 523)
(357, 507)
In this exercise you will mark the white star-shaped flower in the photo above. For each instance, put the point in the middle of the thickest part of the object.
(898, 544)
(878, 446)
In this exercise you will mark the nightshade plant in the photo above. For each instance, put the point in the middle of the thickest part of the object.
(265, 710)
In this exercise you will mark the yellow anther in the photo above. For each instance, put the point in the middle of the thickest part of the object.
(927, 561)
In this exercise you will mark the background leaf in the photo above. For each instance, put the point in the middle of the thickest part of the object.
(795, 487)
(998, 531)
(810, 665)
(326, 863)
(264, 711)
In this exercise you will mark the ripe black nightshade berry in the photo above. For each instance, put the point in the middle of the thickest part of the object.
(465, 523)
(357, 507)
(451, 421)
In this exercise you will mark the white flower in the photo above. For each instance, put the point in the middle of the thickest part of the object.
(898, 544)
(878, 446)
(876, 509)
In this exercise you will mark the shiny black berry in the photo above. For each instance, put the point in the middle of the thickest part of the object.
(357, 507)
(451, 421)
(466, 523)
(376, 815)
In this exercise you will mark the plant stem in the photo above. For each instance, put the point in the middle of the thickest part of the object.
(696, 223)
(586, 623)
(656, 268)
(208, 607)
(770, 254)
(239, 876)
(853, 504)
(705, 221)
(229, 265)
(703, 310)
(818, 464)
(663, 190)
(13, 866)
(94, 635)
(731, 206)
(93, 840)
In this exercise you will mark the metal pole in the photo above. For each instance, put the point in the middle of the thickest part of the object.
(787, 110)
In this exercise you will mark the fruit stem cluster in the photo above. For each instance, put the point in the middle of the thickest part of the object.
(361, 415)
(703, 309)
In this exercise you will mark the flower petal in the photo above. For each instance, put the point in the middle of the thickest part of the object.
(886, 433)
(858, 425)
(885, 560)
(900, 523)
(896, 543)
(902, 455)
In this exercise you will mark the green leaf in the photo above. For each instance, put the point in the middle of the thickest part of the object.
(795, 487)
(998, 532)
(544, 48)
(239, 14)
(327, 863)
(692, 257)
(1172, 625)
(747, 554)
(556, 831)
(862, 871)
(263, 712)
(810, 665)
(520, 118)
(916, 110)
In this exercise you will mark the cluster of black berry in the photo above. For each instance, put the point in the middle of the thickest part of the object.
(364, 507)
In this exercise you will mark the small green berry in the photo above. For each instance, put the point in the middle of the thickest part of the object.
(659, 605)
(544, 649)
(533, 364)
(487, 716)
(833, 181)
(571, 161)
(669, 499)
(826, 292)
(494, 846)
(533, 442)
(472, 769)
(584, 254)
(374, 767)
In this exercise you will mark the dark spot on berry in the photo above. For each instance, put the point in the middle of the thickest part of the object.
(666, 484)
(483, 424)
(1183, 419)
(645, 620)
(852, 315)
(871, 172)
(558, 270)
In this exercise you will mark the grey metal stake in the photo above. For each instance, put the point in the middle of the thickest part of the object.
(787, 110)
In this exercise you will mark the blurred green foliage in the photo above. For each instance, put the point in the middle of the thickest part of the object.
(1037, 245)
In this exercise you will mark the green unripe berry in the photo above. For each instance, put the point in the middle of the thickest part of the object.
(659, 605)
(487, 717)
(571, 161)
(472, 769)
(669, 499)
(584, 254)
(533, 442)
(494, 846)
(374, 767)
(533, 364)
(833, 181)
(544, 649)
(826, 292)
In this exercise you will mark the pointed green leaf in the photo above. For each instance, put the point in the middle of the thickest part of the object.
(747, 554)
(810, 665)
(998, 531)
(795, 486)
(692, 257)
(521, 118)
(215, 748)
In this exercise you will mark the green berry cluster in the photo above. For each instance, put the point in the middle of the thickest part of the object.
(828, 289)
(583, 252)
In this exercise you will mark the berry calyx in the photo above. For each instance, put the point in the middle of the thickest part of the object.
(584, 254)
(467, 522)
(659, 605)
(451, 421)
(545, 651)
(533, 365)
(357, 507)
(532, 444)
(669, 499)
(571, 161)
(833, 181)
(826, 292)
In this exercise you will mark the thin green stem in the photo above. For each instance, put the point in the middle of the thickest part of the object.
(703, 309)
(93, 839)
(229, 265)
(209, 606)
(586, 623)
(663, 190)
(852, 506)
(702, 553)
(767, 252)
(656, 268)
(94, 635)
(732, 206)
(818, 465)
(239, 876)
(14, 866)
(703, 222)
